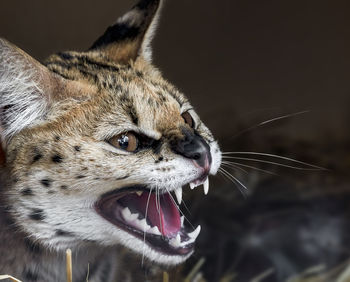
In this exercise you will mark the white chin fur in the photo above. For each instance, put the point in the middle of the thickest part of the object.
(143, 249)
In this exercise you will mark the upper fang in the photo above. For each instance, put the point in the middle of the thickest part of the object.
(206, 186)
(178, 194)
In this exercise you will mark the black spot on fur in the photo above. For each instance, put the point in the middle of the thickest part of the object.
(160, 158)
(123, 177)
(37, 214)
(129, 107)
(61, 74)
(64, 187)
(57, 138)
(77, 148)
(46, 182)
(85, 60)
(37, 155)
(27, 192)
(161, 96)
(134, 117)
(57, 158)
(124, 98)
(60, 232)
(30, 275)
(118, 88)
(65, 56)
(80, 176)
(150, 101)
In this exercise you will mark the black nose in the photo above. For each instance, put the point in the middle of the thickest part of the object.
(193, 146)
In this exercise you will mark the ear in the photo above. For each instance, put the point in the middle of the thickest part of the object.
(131, 35)
(26, 88)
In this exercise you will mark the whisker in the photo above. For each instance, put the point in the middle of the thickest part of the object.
(268, 121)
(233, 165)
(144, 232)
(249, 166)
(178, 207)
(158, 208)
(273, 163)
(224, 173)
(186, 207)
(235, 181)
(273, 156)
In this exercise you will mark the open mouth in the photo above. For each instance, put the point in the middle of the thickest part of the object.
(152, 217)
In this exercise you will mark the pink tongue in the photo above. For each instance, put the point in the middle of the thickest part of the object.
(166, 215)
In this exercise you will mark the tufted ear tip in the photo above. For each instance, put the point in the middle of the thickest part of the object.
(132, 33)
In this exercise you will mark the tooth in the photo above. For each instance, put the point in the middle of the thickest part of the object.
(133, 216)
(178, 194)
(126, 213)
(176, 242)
(178, 238)
(192, 185)
(139, 193)
(143, 225)
(182, 220)
(195, 233)
(206, 186)
(154, 230)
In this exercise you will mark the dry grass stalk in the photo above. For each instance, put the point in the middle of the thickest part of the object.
(69, 265)
(3, 277)
(165, 276)
(263, 275)
(195, 270)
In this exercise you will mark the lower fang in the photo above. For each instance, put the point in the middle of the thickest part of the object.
(176, 242)
(154, 230)
(195, 233)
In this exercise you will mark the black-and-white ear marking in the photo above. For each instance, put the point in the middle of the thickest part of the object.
(132, 33)
(24, 90)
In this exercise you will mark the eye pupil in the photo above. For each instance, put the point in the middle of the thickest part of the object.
(123, 142)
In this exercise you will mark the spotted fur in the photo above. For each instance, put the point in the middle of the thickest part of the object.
(55, 121)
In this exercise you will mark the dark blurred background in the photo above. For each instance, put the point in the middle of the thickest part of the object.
(236, 60)
(243, 62)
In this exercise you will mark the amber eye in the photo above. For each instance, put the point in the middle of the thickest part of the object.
(188, 119)
(125, 141)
